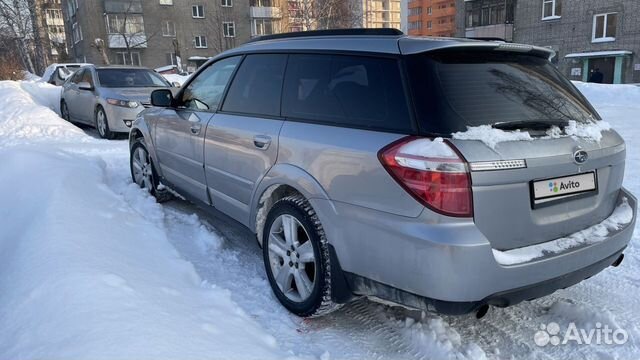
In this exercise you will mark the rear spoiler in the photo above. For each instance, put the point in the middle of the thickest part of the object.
(412, 46)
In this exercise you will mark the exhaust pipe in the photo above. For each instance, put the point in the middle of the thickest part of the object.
(618, 261)
(482, 311)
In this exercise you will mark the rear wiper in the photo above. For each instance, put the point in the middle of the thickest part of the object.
(531, 124)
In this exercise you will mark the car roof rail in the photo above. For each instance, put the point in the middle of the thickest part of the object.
(330, 32)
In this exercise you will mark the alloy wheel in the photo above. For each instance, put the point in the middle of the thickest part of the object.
(101, 123)
(292, 259)
(142, 170)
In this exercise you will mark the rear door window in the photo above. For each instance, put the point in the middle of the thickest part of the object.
(352, 91)
(257, 86)
(455, 89)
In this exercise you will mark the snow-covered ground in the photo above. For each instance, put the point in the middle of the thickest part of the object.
(92, 268)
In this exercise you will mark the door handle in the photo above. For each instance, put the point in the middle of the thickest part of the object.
(262, 141)
(195, 129)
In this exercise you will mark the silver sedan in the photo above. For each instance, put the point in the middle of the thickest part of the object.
(109, 97)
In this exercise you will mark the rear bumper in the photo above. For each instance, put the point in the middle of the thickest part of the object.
(117, 114)
(449, 266)
(506, 298)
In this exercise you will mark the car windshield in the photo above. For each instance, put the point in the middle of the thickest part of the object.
(457, 89)
(65, 71)
(130, 78)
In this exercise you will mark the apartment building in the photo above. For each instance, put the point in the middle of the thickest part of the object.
(431, 17)
(154, 33)
(52, 24)
(585, 34)
(381, 13)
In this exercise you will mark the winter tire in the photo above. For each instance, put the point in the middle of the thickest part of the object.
(102, 125)
(296, 258)
(143, 172)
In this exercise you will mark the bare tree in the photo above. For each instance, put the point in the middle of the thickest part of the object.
(15, 20)
(319, 14)
(219, 28)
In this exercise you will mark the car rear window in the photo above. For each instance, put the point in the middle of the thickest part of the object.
(116, 78)
(457, 89)
(352, 91)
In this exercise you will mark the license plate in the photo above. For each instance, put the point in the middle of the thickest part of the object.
(547, 189)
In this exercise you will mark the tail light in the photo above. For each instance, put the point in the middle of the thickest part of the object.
(433, 172)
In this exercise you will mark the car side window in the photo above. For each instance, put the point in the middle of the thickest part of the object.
(87, 77)
(205, 92)
(257, 86)
(77, 76)
(352, 91)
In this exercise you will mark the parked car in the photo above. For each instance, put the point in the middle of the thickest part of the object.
(108, 97)
(56, 74)
(336, 149)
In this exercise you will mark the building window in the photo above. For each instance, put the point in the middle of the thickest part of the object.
(132, 58)
(200, 42)
(77, 33)
(263, 27)
(166, 2)
(229, 29)
(415, 25)
(489, 12)
(265, 3)
(168, 28)
(604, 27)
(429, 10)
(415, 11)
(172, 59)
(197, 11)
(227, 3)
(125, 24)
(429, 24)
(551, 9)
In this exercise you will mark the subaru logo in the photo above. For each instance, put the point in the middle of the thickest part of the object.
(580, 156)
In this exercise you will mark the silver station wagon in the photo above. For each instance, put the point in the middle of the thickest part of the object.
(345, 153)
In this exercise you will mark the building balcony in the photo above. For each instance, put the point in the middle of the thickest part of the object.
(117, 41)
(265, 12)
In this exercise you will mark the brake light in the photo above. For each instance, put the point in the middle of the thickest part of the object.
(433, 172)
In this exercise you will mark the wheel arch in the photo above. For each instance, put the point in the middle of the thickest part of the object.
(281, 181)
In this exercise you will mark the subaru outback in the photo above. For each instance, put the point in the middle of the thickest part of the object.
(348, 154)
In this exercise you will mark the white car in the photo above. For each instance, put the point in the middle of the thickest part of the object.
(56, 74)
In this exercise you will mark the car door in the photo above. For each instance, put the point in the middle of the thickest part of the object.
(86, 98)
(71, 95)
(241, 142)
(179, 133)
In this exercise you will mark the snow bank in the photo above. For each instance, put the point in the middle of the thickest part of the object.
(607, 94)
(86, 268)
(621, 216)
(23, 121)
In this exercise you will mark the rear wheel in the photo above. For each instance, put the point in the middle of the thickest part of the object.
(296, 257)
(144, 173)
(102, 125)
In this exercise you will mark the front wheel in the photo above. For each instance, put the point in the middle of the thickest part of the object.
(296, 257)
(102, 125)
(144, 173)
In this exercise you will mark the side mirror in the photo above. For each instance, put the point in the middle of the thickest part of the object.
(83, 85)
(162, 98)
(176, 84)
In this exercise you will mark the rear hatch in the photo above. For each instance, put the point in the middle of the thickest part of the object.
(562, 176)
